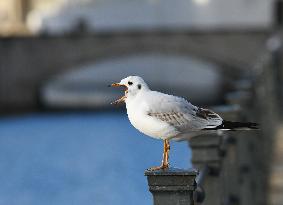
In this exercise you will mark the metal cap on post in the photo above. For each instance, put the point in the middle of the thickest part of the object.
(172, 186)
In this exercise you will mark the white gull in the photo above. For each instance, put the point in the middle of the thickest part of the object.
(167, 117)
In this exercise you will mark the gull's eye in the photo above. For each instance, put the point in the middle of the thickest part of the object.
(130, 83)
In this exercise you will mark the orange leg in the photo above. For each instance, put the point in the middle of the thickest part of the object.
(165, 160)
(167, 150)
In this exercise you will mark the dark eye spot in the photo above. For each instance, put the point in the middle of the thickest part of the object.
(139, 86)
(130, 83)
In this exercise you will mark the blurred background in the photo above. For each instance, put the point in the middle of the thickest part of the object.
(61, 140)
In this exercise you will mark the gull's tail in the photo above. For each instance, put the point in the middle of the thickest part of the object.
(228, 125)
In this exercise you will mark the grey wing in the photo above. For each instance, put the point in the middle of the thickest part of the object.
(184, 116)
(174, 118)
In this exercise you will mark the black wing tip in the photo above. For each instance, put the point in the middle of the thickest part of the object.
(229, 125)
(253, 125)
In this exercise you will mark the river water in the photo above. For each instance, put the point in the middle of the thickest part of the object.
(78, 158)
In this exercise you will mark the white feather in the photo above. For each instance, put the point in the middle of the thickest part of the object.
(163, 116)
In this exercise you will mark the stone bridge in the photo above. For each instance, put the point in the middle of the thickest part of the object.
(27, 62)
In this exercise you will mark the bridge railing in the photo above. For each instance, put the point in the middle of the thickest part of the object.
(234, 167)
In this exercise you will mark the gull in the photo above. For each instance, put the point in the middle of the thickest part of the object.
(169, 117)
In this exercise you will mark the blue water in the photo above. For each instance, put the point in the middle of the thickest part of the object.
(78, 158)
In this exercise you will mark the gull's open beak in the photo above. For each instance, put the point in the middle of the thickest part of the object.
(122, 99)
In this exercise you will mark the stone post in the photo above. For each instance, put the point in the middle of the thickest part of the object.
(172, 186)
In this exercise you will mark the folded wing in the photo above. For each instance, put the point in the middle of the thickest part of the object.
(181, 114)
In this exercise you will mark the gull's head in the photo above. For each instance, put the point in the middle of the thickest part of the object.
(132, 85)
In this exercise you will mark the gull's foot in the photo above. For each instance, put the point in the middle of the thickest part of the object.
(162, 167)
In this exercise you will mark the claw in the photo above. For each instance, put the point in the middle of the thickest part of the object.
(162, 167)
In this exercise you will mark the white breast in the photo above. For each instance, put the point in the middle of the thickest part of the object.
(137, 110)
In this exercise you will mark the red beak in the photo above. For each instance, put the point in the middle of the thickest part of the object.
(122, 99)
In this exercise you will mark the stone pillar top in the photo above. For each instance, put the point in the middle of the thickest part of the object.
(171, 179)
